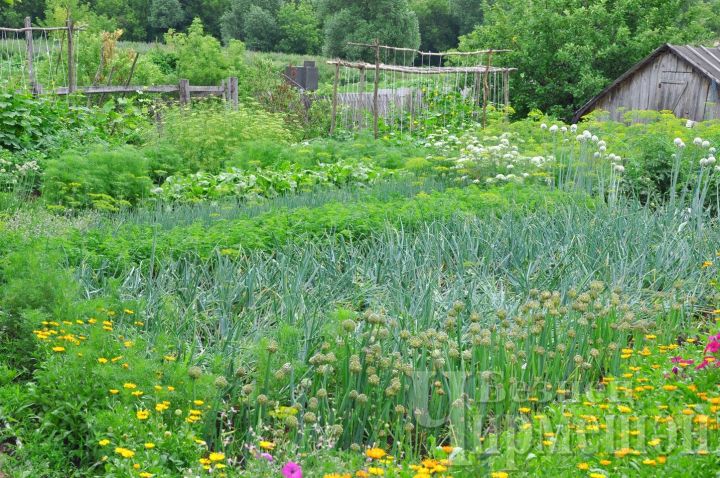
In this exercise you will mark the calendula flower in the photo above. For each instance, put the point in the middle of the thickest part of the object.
(142, 414)
(104, 442)
(124, 452)
(216, 456)
(375, 453)
(266, 445)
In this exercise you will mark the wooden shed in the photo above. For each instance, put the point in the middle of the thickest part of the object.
(679, 78)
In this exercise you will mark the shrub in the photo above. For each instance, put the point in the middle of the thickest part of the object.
(104, 179)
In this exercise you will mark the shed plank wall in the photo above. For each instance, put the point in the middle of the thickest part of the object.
(666, 83)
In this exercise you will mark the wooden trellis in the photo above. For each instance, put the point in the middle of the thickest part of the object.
(404, 93)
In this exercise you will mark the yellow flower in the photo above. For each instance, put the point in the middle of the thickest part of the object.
(375, 453)
(583, 466)
(104, 442)
(216, 456)
(654, 442)
(267, 445)
(124, 452)
(102, 360)
(524, 410)
(149, 445)
(58, 349)
(142, 414)
(669, 388)
(650, 462)
(605, 462)
(597, 475)
(145, 474)
(499, 474)
(198, 403)
(129, 386)
(114, 391)
(624, 409)
(375, 471)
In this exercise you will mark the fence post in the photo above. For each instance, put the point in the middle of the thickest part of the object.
(184, 92)
(225, 84)
(333, 118)
(30, 54)
(375, 90)
(234, 100)
(72, 81)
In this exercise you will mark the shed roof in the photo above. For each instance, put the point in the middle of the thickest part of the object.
(705, 60)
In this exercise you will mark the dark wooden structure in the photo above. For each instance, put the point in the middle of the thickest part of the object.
(683, 79)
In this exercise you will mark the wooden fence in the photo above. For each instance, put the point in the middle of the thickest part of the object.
(228, 89)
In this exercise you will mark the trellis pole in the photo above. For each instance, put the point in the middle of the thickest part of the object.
(30, 54)
(486, 87)
(375, 91)
(333, 120)
(72, 81)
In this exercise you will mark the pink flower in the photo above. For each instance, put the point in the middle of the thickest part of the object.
(679, 359)
(704, 364)
(292, 470)
(713, 346)
(267, 456)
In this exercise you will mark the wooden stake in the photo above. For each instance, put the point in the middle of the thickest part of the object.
(184, 92)
(35, 87)
(72, 81)
(233, 91)
(375, 90)
(486, 87)
(333, 118)
(506, 91)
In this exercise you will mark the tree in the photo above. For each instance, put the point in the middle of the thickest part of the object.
(165, 14)
(439, 27)
(467, 13)
(232, 22)
(299, 28)
(392, 22)
(260, 29)
(566, 51)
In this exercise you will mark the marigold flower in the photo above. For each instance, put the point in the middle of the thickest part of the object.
(58, 349)
(104, 442)
(142, 414)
